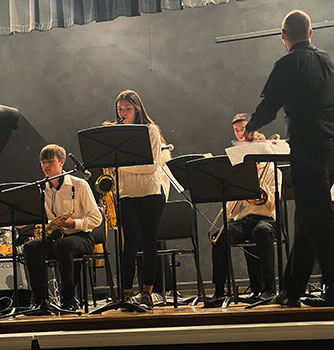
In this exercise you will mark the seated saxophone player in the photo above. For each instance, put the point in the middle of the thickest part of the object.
(248, 222)
(70, 204)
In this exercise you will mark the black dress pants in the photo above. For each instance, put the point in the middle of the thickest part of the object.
(260, 259)
(312, 174)
(140, 222)
(64, 250)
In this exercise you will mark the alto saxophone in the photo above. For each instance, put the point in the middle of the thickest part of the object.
(106, 186)
(52, 227)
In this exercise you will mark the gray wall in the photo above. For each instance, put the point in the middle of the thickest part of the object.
(66, 80)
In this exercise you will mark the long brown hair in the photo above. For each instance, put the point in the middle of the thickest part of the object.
(141, 114)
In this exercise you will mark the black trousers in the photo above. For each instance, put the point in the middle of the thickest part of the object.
(140, 221)
(312, 174)
(64, 250)
(161, 261)
(260, 259)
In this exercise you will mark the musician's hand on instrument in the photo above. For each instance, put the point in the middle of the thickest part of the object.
(248, 135)
(66, 223)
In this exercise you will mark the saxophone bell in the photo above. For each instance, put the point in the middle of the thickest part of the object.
(104, 184)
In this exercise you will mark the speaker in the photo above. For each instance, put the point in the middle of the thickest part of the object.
(6, 275)
(7, 284)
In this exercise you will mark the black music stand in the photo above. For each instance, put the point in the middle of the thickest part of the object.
(21, 208)
(114, 146)
(177, 166)
(214, 180)
(286, 177)
(287, 194)
(9, 117)
(275, 158)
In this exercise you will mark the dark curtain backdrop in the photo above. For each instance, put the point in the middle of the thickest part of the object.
(23, 16)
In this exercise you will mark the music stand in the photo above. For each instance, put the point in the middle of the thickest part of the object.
(23, 208)
(275, 158)
(9, 117)
(114, 146)
(216, 180)
(177, 166)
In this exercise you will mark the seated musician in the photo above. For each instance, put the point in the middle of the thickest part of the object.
(249, 222)
(61, 196)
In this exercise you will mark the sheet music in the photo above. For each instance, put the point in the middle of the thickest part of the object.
(236, 154)
(172, 179)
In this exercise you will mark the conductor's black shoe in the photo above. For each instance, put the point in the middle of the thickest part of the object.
(318, 302)
(283, 300)
(216, 301)
(69, 304)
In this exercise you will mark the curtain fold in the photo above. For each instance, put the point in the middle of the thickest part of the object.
(23, 16)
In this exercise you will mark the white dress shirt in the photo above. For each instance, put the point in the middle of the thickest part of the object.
(86, 213)
(145, 180)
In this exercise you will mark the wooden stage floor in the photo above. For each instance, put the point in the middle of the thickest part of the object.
(166, 325)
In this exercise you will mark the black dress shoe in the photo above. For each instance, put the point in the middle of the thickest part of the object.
(69, 304)
(283, 300)
(215, 301)
(318, 302)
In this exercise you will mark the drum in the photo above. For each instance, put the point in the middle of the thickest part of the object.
(6, 241)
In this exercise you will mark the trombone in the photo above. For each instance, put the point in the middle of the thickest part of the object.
(213, 238)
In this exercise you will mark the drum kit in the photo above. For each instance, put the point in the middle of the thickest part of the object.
(6, 247)
(22, 234)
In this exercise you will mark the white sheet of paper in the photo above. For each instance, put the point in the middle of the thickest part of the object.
(236, 154)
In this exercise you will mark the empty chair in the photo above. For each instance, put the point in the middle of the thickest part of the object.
(178, 222)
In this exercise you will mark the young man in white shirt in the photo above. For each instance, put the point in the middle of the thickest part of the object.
(61, 196)
(250, 222)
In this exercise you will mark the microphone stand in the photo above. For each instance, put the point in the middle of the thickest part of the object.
(45, 308)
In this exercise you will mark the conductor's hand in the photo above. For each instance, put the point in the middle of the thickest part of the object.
(68, 223)
(249, 135)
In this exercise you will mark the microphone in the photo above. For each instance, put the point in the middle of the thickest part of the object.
(119, 120)
(168, 147)
(79, 166)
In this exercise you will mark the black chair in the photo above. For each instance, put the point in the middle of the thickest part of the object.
(100, 237)
(178, 222)
(286, 195)
(88, 262)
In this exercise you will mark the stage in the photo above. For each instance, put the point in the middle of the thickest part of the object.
(165, 327)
